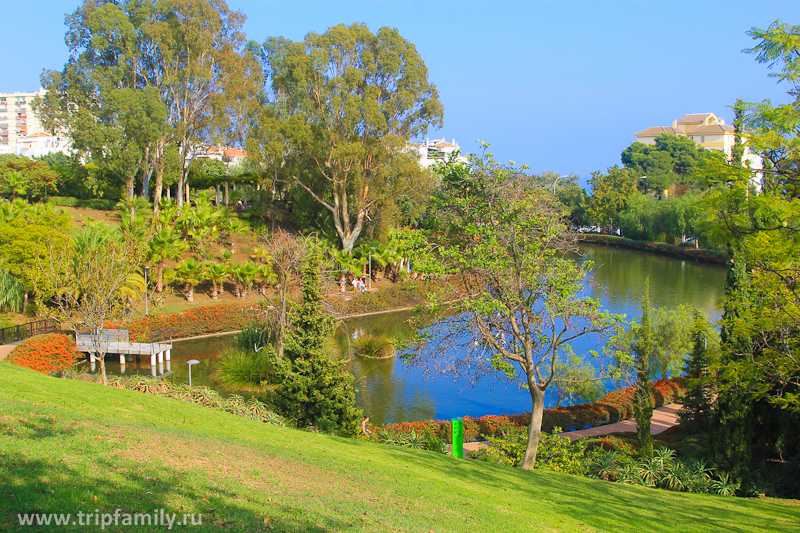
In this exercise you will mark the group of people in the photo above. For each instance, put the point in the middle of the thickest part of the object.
(359, 284)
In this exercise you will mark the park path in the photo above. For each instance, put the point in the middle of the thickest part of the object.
(663, 419)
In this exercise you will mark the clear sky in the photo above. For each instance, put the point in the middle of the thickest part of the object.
(559, 85)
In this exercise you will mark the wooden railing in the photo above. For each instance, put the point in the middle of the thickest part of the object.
(24, 331)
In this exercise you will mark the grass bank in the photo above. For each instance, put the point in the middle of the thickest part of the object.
(68, 446)
(711, 256)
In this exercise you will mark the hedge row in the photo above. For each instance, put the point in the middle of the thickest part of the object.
(614, 407)
(102, 204)
(193, 322)
(710, 256)
(45, 353)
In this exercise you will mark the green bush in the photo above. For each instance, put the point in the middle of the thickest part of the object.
(101, 204)
(555, 452)
(246, 371)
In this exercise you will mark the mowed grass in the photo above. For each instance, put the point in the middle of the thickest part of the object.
(69, 446)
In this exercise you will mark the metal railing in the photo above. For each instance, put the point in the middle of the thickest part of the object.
(24, 331)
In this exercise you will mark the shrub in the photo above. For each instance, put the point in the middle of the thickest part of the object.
(613, 407)
(45, 353)
(101, 204)
(555, 452)
(375, 346)
(246, 371)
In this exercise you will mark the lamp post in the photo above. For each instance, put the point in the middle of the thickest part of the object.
(370, 266)
(556, 183)
(191, 362)
(146, 310)
(645, 183)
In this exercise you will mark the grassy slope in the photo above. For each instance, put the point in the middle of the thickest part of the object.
(68, 446)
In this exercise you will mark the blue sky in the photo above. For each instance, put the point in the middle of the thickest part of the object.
(559, 85)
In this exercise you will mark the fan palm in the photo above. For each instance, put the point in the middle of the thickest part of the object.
(165, 245)
(216, 273)
(243, 275)
(190, 272)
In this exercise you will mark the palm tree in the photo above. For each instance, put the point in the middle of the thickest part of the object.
(216, 273)
(190, 272)
(265, 277)
(347, 265)
(232, 226)
(165, 245)
(243, 275)
(16, 183)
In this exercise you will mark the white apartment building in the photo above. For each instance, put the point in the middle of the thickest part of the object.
(21, 132)
(435, 150)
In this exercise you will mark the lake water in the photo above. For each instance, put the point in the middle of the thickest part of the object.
(391, 391)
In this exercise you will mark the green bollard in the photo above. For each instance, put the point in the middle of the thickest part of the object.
(458, 437)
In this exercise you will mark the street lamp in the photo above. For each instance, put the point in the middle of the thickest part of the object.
(146, 311)
(370, 266)
(191, 362)
(645, 183)
(556, 183)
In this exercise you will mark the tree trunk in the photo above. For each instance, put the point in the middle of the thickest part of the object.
(534, 432)
(103, 369)
(160, 277)
(129, 187)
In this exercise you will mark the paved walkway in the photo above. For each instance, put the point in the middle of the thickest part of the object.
(6, 349)
(663, 419)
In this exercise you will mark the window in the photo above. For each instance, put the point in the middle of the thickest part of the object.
(703, 139)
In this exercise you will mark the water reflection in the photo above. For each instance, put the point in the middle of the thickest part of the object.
(391, 391)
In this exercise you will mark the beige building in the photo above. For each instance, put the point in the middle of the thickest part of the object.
(705, 129)
(21, 131)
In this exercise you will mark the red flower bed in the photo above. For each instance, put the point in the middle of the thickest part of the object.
(192, 322)
(613, 407)
(45, 353)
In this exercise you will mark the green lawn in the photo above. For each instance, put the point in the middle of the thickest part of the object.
(69, 446)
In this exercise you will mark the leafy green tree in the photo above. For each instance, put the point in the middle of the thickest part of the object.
(25, 231)
(314, 389)
(361, 97)
(85, 279)
(763, 228)
(20, 175)
(518, 303)
(672, 159)
(610, 193)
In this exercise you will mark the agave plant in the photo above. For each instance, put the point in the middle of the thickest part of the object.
(724, 485)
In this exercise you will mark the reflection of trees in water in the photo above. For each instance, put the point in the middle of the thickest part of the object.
(384, 392)
(619, 276)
